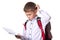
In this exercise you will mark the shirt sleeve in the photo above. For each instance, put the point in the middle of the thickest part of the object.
(24, 35)
(45, 17)
(24, 31)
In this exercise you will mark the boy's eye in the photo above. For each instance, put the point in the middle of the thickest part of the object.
(29, 14)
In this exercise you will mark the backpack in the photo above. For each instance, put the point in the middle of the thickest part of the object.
(47, 35)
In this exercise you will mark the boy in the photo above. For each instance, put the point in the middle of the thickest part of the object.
(35, 27)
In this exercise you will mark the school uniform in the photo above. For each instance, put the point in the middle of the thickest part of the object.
(33, 32)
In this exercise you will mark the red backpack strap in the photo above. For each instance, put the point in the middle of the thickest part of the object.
(40, 26)
(25, 24)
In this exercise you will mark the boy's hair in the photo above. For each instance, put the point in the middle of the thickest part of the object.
(30, 6)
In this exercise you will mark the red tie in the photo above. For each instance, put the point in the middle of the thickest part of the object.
(40, 26)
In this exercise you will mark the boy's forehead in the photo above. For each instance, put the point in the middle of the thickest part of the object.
(29, 12)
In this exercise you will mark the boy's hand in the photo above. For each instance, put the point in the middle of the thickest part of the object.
(18, 36)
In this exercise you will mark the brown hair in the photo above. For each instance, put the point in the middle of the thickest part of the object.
(30, 6)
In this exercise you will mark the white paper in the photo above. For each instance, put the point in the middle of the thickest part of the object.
(10, 31)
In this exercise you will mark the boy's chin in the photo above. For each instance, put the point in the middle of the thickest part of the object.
(30, 19)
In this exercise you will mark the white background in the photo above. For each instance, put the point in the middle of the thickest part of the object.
(12, 16)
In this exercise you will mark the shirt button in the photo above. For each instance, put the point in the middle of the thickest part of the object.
(29, 34)
(30, 28)
(31, 23)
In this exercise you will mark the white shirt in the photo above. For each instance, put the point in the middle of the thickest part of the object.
(33, 31)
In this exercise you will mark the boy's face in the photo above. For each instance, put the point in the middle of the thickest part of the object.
(30, 14)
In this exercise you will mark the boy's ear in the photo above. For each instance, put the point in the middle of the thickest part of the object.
(38, 7)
